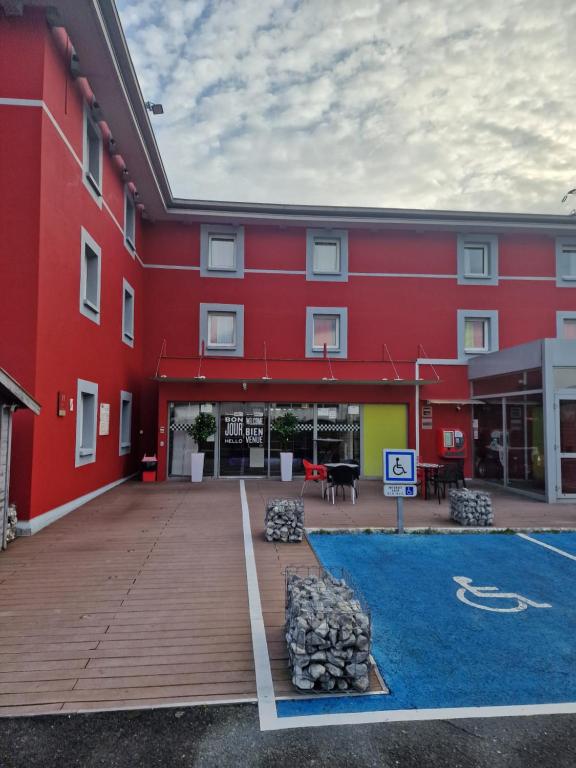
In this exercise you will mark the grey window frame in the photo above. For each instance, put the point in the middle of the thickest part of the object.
(560, 318)
(565, 278)
(490, 242)
(127, 333)
(315, 235)
(238, 349)
(312, 312)
(207, 232)
(85, 455)
(129, 236)
(92, 184)
(88, 308)
(124, 448)
(491, 315)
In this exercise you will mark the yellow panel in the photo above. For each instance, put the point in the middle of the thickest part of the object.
(384, 426)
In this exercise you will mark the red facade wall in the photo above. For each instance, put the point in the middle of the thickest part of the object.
(401, 295)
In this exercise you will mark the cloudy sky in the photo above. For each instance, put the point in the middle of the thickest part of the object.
(459, 104)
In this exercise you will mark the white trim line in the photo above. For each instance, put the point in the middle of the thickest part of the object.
(264, 683)
(171, 266)
(30, 527)
(6, 102)
(547, 546)
(411, 715)
(402, 274)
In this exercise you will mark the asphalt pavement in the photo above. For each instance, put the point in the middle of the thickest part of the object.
(229, 737)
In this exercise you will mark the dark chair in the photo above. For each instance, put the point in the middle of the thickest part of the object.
(446, 476)
(460, 470)
(342, 477)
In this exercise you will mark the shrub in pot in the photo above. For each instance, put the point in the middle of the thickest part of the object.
(203, 427)
(285, 427)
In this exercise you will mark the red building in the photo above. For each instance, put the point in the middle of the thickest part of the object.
(126, 311)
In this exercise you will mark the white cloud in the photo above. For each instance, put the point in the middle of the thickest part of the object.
(423, 104)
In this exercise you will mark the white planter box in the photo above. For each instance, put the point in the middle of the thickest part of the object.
(197, 467)
(286, 466)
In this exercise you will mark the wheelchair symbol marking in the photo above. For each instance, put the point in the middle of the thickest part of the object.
(492, 593)
(398, 469)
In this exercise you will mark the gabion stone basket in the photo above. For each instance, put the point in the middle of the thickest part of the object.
(328, 632)
(284, 520)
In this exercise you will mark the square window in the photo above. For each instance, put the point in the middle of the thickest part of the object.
(125, 430)
(477, 331)
(90, 266)
(476, 258)
(326, 257)
(129, 219)
(565, 263)
(569, 327)
(326, 332)
(476, 334)
(127, 313)
(86, 410)
(222, 253)
(222, 329)
(327, 326)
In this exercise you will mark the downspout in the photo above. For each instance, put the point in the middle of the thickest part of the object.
(417, 410)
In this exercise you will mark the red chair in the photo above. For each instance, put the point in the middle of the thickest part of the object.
(317, 473)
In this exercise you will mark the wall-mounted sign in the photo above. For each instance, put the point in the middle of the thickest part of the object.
(206, 408)
(426, 417)
(104, 419)
(62, 404)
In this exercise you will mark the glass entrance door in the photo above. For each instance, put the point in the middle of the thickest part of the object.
(566, 409)
(243, 439)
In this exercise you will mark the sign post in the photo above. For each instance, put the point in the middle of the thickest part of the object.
(399, 479)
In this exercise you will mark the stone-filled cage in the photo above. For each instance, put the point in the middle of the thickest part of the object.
(328, 631)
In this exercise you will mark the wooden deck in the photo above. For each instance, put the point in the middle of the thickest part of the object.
(139, 598)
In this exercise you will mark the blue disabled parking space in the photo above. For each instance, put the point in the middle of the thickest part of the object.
(459, 620)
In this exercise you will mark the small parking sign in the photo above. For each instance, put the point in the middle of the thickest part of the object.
(399, 466)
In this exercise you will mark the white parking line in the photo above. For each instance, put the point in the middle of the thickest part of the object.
(547, 546)
(264, 684)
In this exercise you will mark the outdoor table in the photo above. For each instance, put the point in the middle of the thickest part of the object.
(353, 465)
(429, 472)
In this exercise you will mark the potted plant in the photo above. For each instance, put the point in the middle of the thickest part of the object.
(203, 427)
(285, 427)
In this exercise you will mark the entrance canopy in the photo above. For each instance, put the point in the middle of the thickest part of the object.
(297, 371)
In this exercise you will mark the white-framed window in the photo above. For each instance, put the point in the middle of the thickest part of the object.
(221, 251)
(129, 220)
(326, 329)
(566, 325)
(327, 255)
(566, 263)
(90, 277)
(326, 332)
(92, 156)
(86, 417)
(125, 429)
(476, 334)
(477, 257)
(127, 313)
(222, 329)
(477, 331)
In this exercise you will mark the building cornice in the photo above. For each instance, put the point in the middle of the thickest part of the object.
(96, 32)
